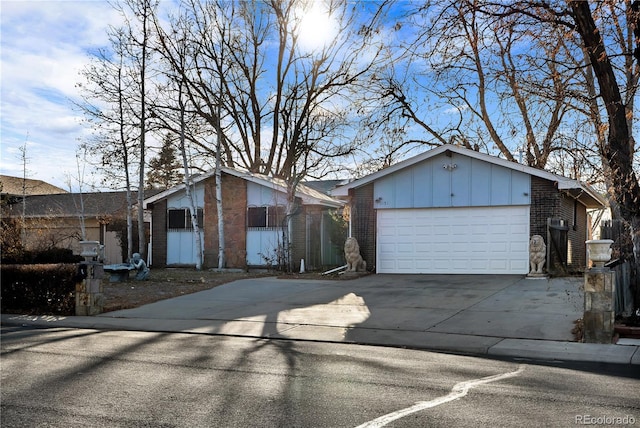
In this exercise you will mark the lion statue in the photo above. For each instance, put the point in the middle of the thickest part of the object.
(353, 257)
(537, 254)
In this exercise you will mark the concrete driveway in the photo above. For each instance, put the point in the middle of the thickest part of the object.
(424, 311)
(505, 316)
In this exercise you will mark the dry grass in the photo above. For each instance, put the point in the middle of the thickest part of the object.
(165, 284)
(173, 282)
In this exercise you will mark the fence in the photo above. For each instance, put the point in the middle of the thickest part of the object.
(557, 246)
(622, 263)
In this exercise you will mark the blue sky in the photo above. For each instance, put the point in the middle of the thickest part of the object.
(43, 46)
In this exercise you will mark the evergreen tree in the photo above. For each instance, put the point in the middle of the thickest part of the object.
(164, 169)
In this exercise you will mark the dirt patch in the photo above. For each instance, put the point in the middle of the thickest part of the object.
(342, 276)
(165, 284)
(174, 282)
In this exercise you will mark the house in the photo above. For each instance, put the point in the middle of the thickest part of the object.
(54, 220)
(16, 187)
(457, 211)
(254, 208)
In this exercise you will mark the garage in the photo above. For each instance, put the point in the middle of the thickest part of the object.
(452, 210)
(488, 240)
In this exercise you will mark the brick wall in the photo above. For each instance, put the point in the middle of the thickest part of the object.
(234, 206)
(159, 233)
(548, 202)
(545, 203)
(363, 223)
(234, 195)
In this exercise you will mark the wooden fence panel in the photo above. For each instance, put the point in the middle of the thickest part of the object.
(622, 248)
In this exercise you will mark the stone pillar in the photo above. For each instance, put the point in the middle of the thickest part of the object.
(89, 297)
(599, 309)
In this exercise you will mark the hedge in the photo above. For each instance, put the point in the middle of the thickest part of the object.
(49, 255)
(39, 289)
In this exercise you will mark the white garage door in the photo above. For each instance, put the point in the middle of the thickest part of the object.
(479, 240)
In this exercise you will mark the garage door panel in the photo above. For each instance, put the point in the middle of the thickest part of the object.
(422, 231)
(423, 247)
(405, 248)
(405, 264)
(518, 229)
(479, 229)
(498, 264)
(453, 240)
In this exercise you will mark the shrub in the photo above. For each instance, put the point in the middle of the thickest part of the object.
(56, 255)
(39, 289)
(46, 256)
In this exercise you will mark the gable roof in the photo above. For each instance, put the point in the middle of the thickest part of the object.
(14, 186)
(324, 186)
(308, 195)
(581, 191)
(68, 205)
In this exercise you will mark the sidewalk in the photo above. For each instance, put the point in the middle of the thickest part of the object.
(505, 316)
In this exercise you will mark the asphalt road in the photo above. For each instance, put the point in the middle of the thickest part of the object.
(89, 378)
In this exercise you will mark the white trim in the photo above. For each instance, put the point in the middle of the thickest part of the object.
(564, 183)
(309, 196)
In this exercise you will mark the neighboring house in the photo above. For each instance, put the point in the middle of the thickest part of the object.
(324, 186)
(254, 208)
(456, 211)
(54, 220)
(16, 187)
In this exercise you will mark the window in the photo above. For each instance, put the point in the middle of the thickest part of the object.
(275, 216)
(179, 219)
(257, 217)
(265, 217)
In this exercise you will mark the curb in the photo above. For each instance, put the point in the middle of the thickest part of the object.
(542, 350)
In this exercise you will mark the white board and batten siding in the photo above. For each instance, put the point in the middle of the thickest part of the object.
(181, 245)
(263, 243)
(453, 215)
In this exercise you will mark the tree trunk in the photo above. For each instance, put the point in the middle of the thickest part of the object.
(221, 243)
(619, 148)
(142, 240)
(617, 151)
(125, 160)
(193, 208)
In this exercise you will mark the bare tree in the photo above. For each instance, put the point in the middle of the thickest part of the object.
(183, 120)
(79, 205)
(620, 146)
(605, 79)
(120, 98)
(24, 159)
(465, 77)
(281, 103)
(277, 107)
(188, 183)
(139, 15)
(107, 105)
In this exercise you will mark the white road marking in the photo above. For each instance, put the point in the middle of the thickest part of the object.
(459, 390)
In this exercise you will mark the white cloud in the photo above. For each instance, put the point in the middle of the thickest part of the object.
(44, 45)
(456, 109)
